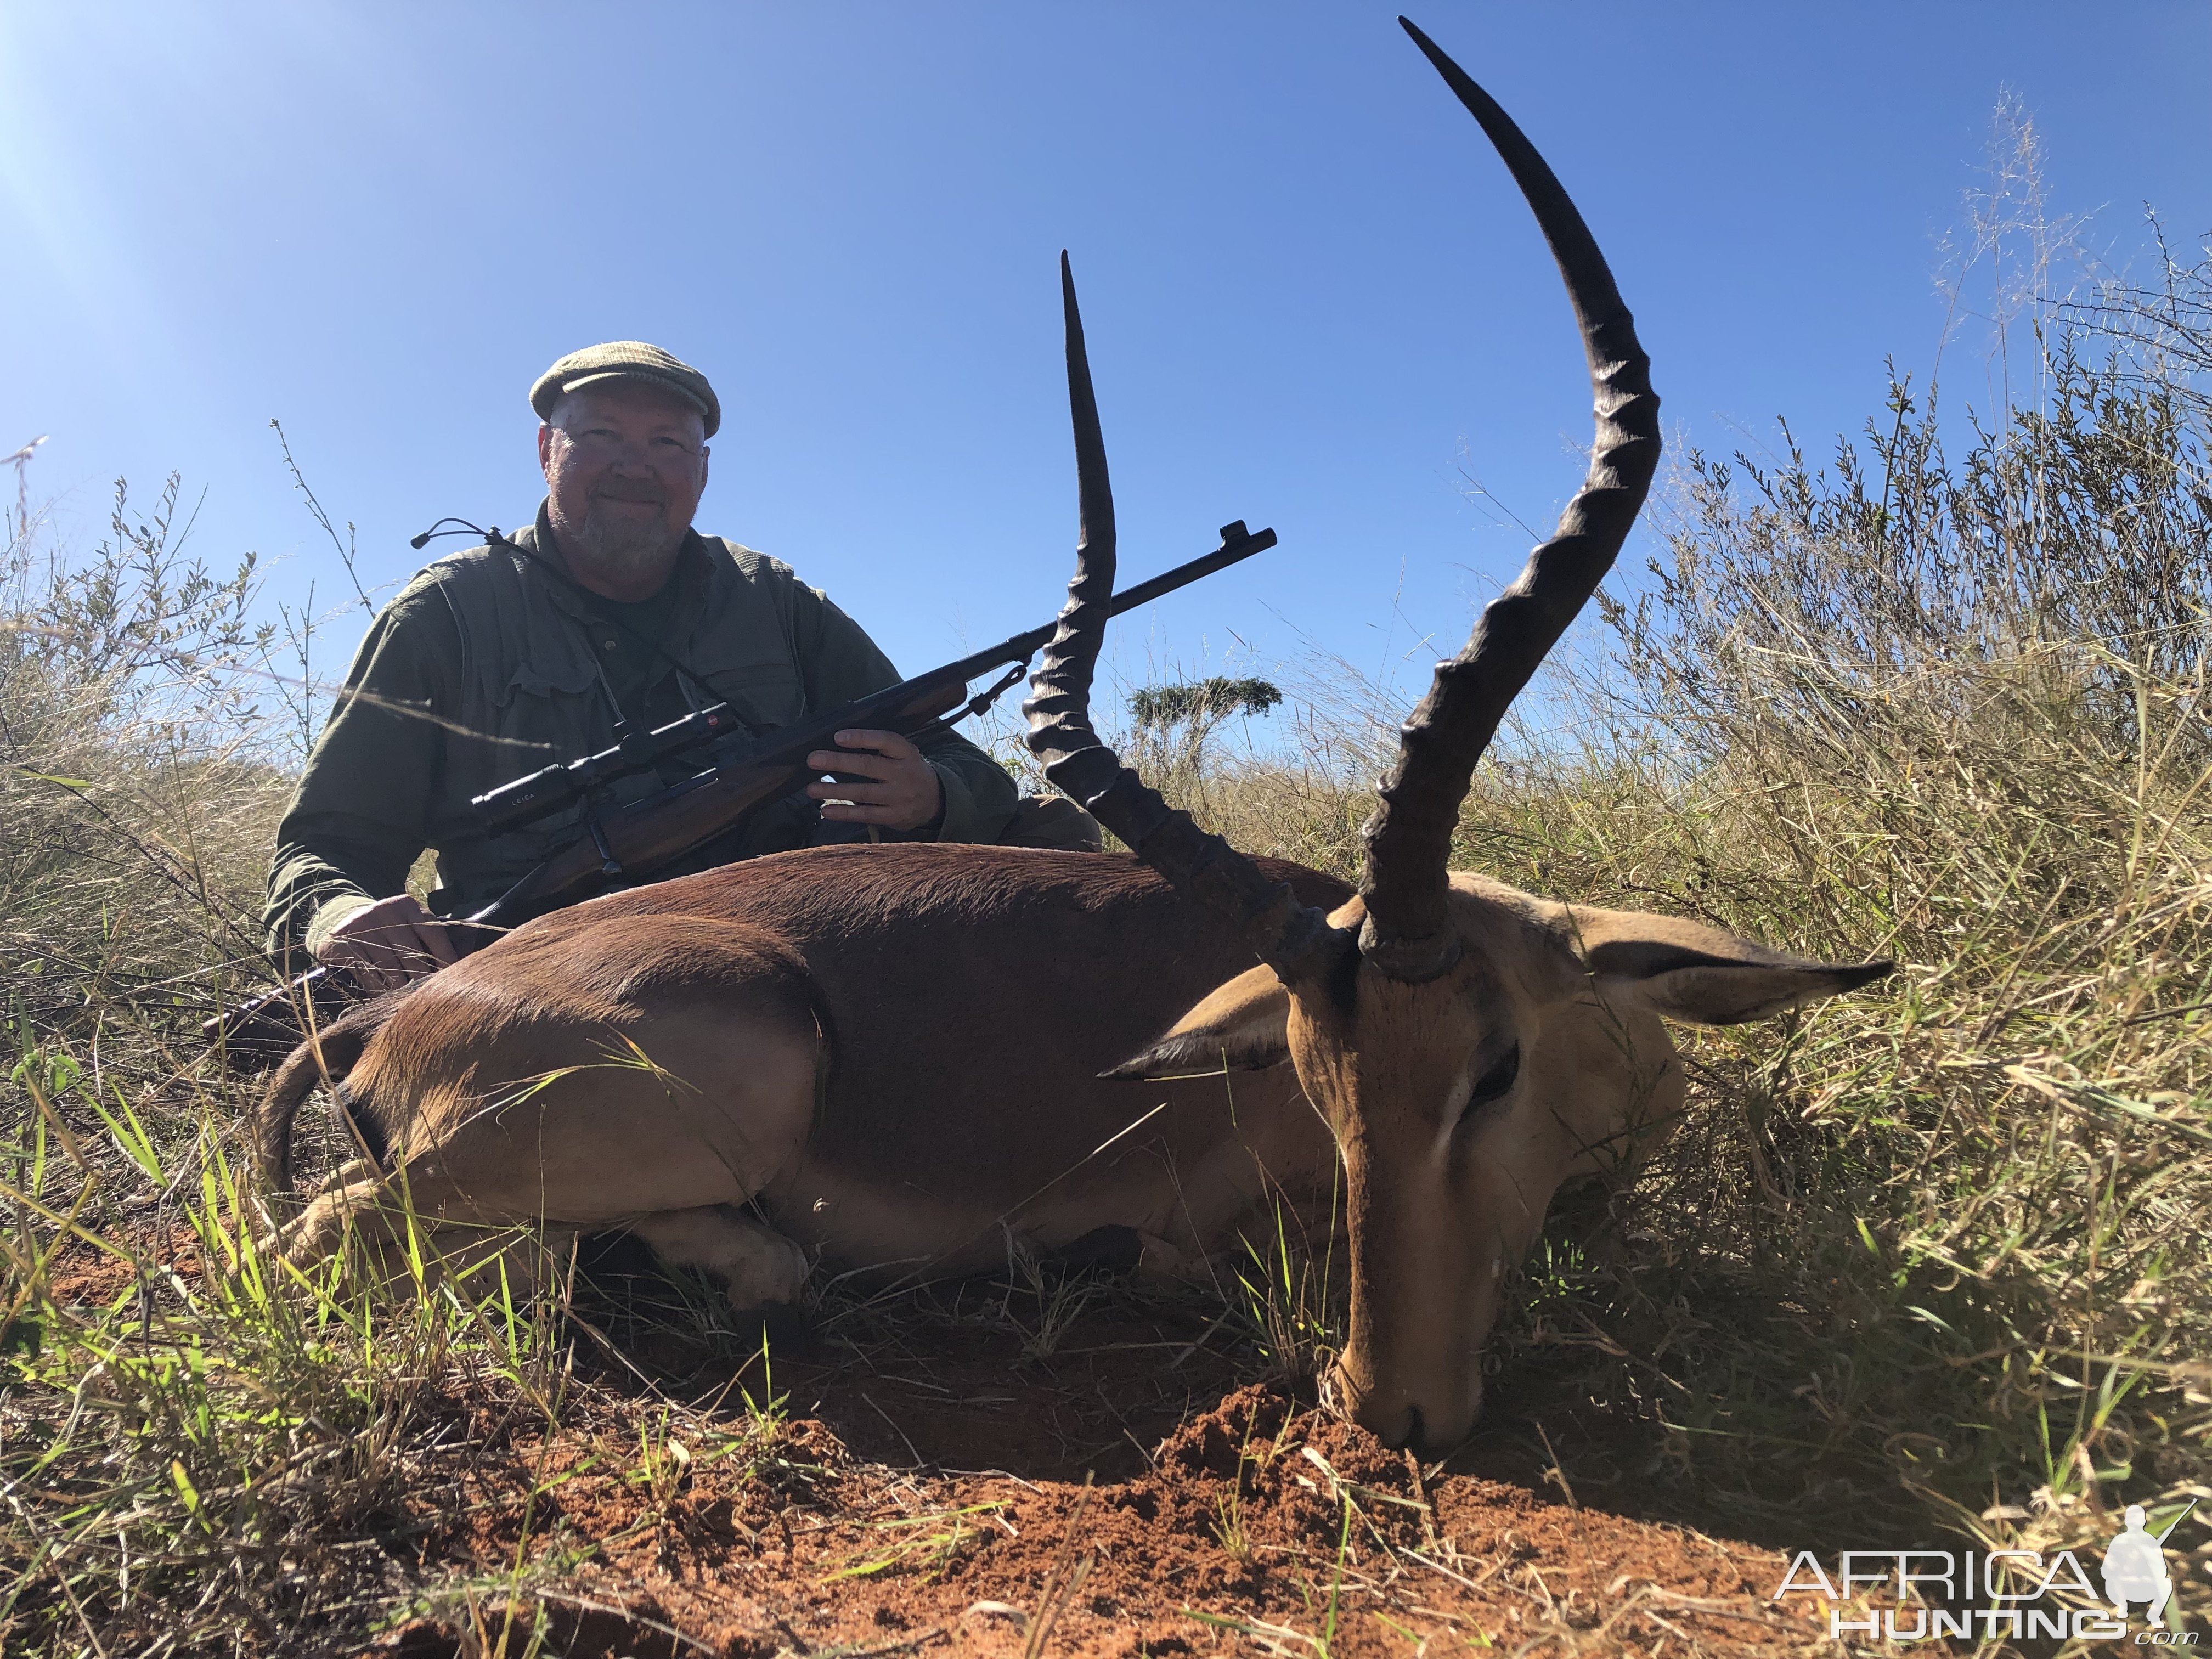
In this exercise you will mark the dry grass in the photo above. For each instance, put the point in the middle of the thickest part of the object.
(1939, 1248)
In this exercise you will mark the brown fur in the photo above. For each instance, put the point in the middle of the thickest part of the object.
(889, 1060)
(952, 1007)
(1557, 1013)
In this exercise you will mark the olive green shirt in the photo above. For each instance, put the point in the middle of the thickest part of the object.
(491, 663)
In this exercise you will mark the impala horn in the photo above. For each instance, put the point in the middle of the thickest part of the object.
(1407, 934)
(1294, 939)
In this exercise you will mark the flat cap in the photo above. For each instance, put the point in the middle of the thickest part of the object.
(626, 359)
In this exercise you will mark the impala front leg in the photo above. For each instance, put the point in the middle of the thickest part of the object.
(759, 1268)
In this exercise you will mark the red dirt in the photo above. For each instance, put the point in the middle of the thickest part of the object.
(850, 1536)
(858, 1556)
(84, 1275)
(939, 1484)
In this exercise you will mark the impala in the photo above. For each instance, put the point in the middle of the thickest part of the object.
(896, 1059)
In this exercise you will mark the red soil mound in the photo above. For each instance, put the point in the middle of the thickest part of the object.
(1259, 1524)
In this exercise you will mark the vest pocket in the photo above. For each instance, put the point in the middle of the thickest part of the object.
(764, 693)
(569, 679)
(544, 714)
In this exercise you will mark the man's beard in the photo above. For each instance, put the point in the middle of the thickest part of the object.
(620, 543)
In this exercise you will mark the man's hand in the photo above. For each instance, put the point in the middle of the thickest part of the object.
(901, 789)
(391, 942)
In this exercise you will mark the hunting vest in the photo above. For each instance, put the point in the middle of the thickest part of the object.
(531, 693)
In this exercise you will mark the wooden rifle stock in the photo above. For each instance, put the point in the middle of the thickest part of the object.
(630, 845)
(653, 833)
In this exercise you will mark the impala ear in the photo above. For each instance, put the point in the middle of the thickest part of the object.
(1244, 1026)
(1704, 976)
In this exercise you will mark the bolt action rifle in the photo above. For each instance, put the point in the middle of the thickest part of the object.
(628, 846)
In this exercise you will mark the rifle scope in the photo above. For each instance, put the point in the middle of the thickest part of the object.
(515, 804)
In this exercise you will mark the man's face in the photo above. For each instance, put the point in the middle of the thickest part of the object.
(624, 464)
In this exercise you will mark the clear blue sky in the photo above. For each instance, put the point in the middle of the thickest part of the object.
(1309, 285)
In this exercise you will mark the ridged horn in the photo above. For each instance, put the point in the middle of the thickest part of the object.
(1293, 938)
(1409, 839)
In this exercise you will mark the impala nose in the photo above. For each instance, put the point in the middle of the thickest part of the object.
(1403, 1424)
(1395, 1429)
(1405, 1429)
(1388, 1414)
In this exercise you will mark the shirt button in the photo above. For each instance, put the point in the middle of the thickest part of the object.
(611, 645)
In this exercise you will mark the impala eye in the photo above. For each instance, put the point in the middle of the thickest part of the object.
(1498, 1080)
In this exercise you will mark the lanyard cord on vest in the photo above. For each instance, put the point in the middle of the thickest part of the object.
(695, 684)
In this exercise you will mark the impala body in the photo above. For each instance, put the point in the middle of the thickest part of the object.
(888, 1056)
(896, 1059)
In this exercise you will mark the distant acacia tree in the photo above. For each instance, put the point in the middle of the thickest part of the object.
(1204, 703)
(1175, 724)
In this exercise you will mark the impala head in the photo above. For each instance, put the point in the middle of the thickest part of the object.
(1471, 1046)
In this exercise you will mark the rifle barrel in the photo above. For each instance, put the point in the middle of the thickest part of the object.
(1237, 545)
